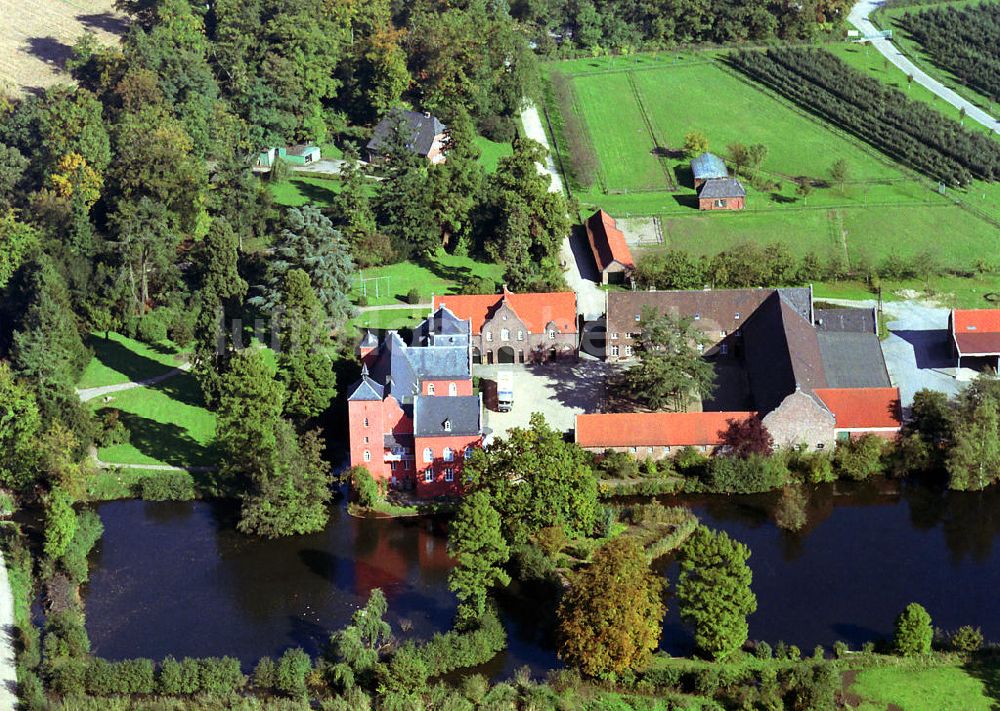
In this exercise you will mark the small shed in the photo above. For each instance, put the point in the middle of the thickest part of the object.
(975, 337)
(706, 167)
(607, 242)
(722, 194)
(300, 154)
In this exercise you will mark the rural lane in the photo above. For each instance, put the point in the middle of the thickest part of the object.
(860, 18)
(590, 300)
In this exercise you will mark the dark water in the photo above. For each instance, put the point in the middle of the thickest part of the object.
(176, 578)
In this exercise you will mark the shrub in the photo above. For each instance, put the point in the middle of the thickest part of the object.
(664, 677)
(131, 676)
(290, 674)
(530, 564)
(264, 674)
(413, 296)
(152, 327)
(753, 474)
(762, 650)
(112, 430)
(65, 635)
(168, 486)
(840, 649)
(454, 650)
(497, 128)
(67, 676)
(89, 530)
(365, 488)
(220, 675)
(706, 681)
(861, 458)
(31, 690)
(407, 672)
(966, 639)
(913, 633)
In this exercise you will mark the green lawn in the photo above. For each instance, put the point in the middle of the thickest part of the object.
(119, 359)
(299, 190)
(949, 688)
(390, 319)
(491, 152)
(441, 275)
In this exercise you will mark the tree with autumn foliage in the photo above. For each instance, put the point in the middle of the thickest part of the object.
(611, 617)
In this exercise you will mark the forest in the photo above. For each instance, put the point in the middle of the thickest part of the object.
(912, 133)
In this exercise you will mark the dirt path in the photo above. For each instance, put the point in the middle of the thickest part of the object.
(8, 669)
(859, 17)
(90, 393)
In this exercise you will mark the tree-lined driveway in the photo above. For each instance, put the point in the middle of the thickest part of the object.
(860, 17)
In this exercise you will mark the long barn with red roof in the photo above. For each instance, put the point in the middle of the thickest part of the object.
(607, 242)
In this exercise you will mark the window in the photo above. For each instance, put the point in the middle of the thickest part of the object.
(552, 335)
(704, 448)
(820, 446)
(633, 450)
(392, 465)
(725, 333)
(614, 336)
(449, 474)
(737, 317)
(724, 349)
(638, 317)
(368, 456)
(430, 388)
(504, 334)
(452, 389)
(428, 476)
(489, 335)
(468, 452)
(720, 203)
(447, 425)
(520, 335)
(366, 422)
(701, 347)
(428, 454)
(614, 350)
(366, 440)
(697, 317)
(666, 450)
(448, 455)
(628, 351)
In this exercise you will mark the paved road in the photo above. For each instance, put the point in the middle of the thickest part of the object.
(859, 17)
(575, 258)
(8, 670)
(91, 393)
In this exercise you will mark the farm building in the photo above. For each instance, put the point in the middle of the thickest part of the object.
(861, 411)
(654, 434)
(707, 166)
(516, 328)
(975, 337)
(611, 253)
(423, 133)
(301, 154)
(722, 194)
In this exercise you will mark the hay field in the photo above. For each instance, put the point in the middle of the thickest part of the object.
(39, 35)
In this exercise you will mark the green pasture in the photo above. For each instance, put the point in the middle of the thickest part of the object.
(947, 688)
(442, 274)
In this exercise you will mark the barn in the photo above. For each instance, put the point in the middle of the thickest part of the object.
(722, 194)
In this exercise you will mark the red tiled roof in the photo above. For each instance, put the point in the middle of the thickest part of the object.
(607, 241)
(536, 310)
(977, 330)
(654, 429)
(863, 408)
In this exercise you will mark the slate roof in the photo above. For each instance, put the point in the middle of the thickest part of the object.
(369, 340)
(863, 408)
(607, 242)
(654, 429)
(852, 359)
(722, 188)
(401, 367)
(366, 388)
(442, 328)
(847, 320)
(421, 128)
(708, 165)
(536, 310)
(781, 352)
(976, 331)
(431, 412)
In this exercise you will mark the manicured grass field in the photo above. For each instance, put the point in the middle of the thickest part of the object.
(491, 152)
(120, 359)
(440, 275)
(948, 688)
(297, 191)
(390, 319)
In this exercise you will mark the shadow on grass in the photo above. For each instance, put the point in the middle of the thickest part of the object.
(985, 667)
(182, 388)
(166, 443)
(459, 275)
(315, 193)
(690, 201)
(132, 365)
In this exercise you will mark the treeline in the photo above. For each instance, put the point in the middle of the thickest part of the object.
(594, 25)
(753, 265)
(911, 132)
(963, 40)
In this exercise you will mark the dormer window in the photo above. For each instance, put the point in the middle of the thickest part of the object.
(447, 425)
(452, 389)
(430, 388)
(697, 317)
(737, 316)
(638, 317)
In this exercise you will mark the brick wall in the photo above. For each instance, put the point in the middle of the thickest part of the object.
(439, 485)
(799, 420)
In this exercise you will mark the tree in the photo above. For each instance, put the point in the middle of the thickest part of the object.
(803, 189)
(913, 632)
(713, 591)
(404, 196)
(695, 143)
(310, 242)
(358, 647)
(17, 241)
(356, 216)
(304, 363)
(756, 155)
(60, 523)
(286, 482)
(839, 172)
(745, 437)
(973, 462)
(20, 424)
(12, 168)
(477, 545)
(739, 157)
(670, 369)
(290, 673)
(455, 184)
(611, 617)
(536, 480)
(147, 245)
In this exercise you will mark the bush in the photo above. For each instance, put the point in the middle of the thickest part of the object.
(152, 327)
(407, 672)
(860, 458)
(365, 487)
(663, 677)
(413, 296)
(89, 530)
(531, 564)
(67, 676)
(497, 128)
(131, 676)
(112, 430)
(452, 650)
(65, 635)
(264, 674)
(168, 486)
(31, 690)
(762, 650)
(290, 674)
(966, 639)
(913, 633)
(840, 649)
(753, 474)
(220, 675)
